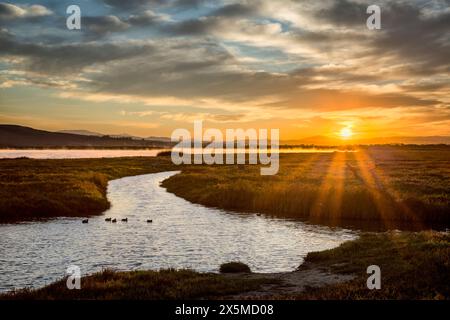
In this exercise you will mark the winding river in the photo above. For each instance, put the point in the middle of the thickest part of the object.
(182, 235)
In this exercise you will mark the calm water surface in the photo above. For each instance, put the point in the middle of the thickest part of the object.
(182, 235)
(75, 154)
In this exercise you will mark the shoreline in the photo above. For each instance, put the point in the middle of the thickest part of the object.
(405, 258)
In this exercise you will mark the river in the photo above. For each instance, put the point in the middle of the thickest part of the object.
(182, 235)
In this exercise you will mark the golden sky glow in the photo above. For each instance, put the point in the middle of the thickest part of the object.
(311, 69)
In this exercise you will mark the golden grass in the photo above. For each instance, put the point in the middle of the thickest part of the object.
(413, 266)
(386, 185)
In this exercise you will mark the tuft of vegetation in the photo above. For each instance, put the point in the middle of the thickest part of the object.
(388, 187)
(166, 153)
(142, 285)
(38, 189)
(413, 266)
(234, 267)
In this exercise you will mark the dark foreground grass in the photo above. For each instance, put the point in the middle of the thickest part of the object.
(413, 266)
(36, 189)
(393, 186)
(143, 285)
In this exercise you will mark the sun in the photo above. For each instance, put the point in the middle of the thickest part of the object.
(346, 133)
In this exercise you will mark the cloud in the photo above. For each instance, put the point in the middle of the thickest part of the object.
(10, 11)
(104, 24)
(343, 12)
(147, 18)
(234, 10)
(133, 4)
(68, 58)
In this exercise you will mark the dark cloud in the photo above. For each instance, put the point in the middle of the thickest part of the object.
(410, 36)
(133, 4)
(147, 18)
(9, 11)
(343, 12)
(191, 27)
(104, 24)
(234, 10)
(68, 58)
(406, 34)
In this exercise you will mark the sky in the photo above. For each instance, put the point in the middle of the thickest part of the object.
(307, 68)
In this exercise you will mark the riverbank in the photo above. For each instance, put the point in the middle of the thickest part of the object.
(33, 189)
(413, 266)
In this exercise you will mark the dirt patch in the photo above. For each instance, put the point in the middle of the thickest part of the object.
(290, 283)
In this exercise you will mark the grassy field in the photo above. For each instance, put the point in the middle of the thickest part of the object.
(413, 266)
(34, 189)
(391, 187)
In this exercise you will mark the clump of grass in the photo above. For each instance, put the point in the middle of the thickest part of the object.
(166, 153)
(143, 285)
(234, 267)
(413, 266)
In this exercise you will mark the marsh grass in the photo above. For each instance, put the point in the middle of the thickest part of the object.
(413, 266)
(389, 185)
(36, 189)
(142, 285)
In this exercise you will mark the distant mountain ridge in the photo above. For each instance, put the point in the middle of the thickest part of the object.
(121, 135)
(82, 132)
(15, 136)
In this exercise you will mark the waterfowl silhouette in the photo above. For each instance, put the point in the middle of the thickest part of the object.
(149, 221)
(114, 220)
(108, 219)
(125, 220)
(85, 221)
(258, 214)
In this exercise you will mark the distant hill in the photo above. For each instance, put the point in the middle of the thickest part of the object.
(82, 132)
(121, 135)
(14, 136)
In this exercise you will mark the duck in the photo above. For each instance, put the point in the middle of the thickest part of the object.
(85, 221)
(125, 220)
(114, 220)
(258, 214)
(149, 221)
(108, 219)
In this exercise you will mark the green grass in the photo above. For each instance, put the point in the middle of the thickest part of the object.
(413, 266)
(143, 285)
(36, 189)
(389, 186)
